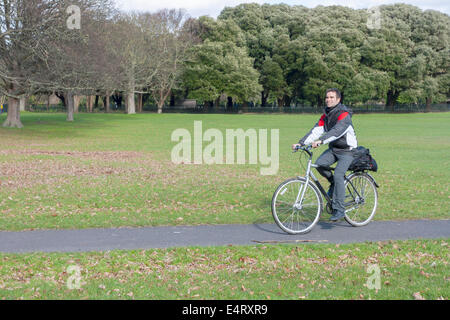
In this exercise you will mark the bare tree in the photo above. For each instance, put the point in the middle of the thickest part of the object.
(39, 52)
(25, 27)
(81, 63)
(174, 39)
(152, 50)
(137, 52)
(127, 53)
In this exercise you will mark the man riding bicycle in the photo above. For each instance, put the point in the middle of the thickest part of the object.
(334, 127)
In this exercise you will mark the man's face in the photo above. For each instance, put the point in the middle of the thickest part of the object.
(331, 99)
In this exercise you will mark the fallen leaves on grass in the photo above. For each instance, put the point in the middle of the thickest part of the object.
(418, 296)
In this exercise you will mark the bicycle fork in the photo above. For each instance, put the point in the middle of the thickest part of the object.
(302, 190)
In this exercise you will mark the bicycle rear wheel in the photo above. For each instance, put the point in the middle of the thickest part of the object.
(361, 199)
(292, 217)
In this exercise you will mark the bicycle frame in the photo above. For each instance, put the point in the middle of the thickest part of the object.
(310, 175)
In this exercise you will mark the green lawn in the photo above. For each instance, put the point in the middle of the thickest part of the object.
(411, 269)
(116, 170)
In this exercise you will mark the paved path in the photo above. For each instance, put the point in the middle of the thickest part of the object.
(180, 236)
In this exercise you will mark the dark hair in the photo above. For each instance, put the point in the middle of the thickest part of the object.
(338, 93)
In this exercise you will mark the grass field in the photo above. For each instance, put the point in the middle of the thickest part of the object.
(116, 170)
(414, 269)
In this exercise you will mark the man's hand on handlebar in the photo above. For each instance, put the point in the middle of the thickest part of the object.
(296, 146)
(316, 144)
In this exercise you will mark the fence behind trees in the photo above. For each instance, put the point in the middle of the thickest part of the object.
(400, 108)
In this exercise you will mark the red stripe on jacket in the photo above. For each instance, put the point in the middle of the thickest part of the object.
(342, 116)
(322, 121)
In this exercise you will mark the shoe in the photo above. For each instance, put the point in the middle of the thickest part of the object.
(337, 215)
(330, 191)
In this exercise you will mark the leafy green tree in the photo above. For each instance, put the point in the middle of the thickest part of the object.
(257, 23)
(220, 31)
(273, 81)
(411, 47)
(431, 56)
(221, 64)
(312, 49)
(367, 84)
(218, 68)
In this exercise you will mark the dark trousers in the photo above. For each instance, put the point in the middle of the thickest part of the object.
(344, 158)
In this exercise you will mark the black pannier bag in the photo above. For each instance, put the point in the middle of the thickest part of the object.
(363, 160)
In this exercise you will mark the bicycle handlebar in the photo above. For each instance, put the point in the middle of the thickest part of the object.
(303, 148)
(306, 148)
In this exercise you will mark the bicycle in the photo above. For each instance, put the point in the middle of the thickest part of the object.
(296, 209)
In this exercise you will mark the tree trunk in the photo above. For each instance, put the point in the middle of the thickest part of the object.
(208, 106)
(13, 118)
(89, 103)
(125, 102)
(76, 104)
(106, 102)
(163, 95)
(428, 104)
(140, 102)
(70, 102)
(287, 101)
(319, 101)
(160, 102)
(392, 97)
(131, 105)
(280, 104)
(389, 102)
(264, 99)
(245, 106)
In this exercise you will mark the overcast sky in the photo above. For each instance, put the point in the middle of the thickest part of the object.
(196, 8)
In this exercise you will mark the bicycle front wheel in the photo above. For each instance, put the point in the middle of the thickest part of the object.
(361, 199)
(296, 217)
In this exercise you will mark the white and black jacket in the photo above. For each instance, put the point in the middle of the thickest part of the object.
(334, 127)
